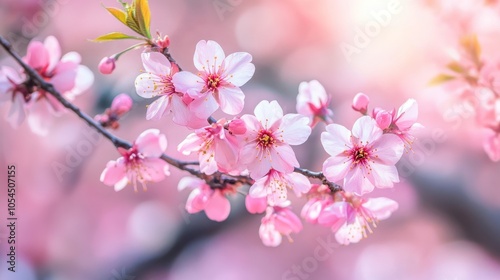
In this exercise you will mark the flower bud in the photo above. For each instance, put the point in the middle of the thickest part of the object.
(360, 102)
(384, 119)
(121, 104)
(163, 43)
(237, 127)
(107, 65)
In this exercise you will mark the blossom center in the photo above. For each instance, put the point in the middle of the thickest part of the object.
(265, 139)
(360, 155)
(213, 81)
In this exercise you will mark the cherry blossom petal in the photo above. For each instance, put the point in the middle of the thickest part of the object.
(196, 201)
(17, 111)
(492, 146)
(334, 215)
(267, 113)
(269, 235)
(300, 183)
(238, 68)
(258, 189)
(336, 168)
(283, 159)
(64, 81)
(336, 140)
(231, 100)
(157, 109)
(366, 130)
(381, 207)
(54, 51)
(357, 181)
(148, 85)
(204, 107)
(295, 128)
(72, 57)
(114, 172)
(39, 119)
(384, 175)
(157, 63)
(208, 56)
(151, 143)
(83, 81)
(37, 56)
(389, 148)
(189, 83)
(189, 182)
(155, 169)
(407, 114)
(255, 205)
(217, 207)
(351, 233)
(287, 222)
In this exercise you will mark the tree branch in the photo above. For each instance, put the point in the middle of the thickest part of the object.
(218, 179)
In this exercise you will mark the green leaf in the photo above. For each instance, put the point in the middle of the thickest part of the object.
(132, 21)
(115, 36)
(143, 16)
(119, 14)
(441, 78)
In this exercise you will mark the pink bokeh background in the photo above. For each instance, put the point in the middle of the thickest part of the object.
(78, 228)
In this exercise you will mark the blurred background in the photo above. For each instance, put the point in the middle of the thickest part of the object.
(71, 226)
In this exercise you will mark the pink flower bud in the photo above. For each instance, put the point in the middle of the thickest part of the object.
(121, 104)
(384, 119)
(360, 102)
(256, 205)
(237, 127)
(163, 43)
(107, 65)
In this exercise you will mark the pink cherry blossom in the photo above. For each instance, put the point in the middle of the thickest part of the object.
(313, 102)
(363, 159)
(279, 220)
(12, 89)
(492, 145)
(139, 163)
(65, 74)
(354, 217)
(217, 148)
(268, 139)
(218, 81)
(121, 104)
(275, 186)
(203, 198)
(157, 81)
(404, 123)
(107, 65)
(255, 205)
(360, 103)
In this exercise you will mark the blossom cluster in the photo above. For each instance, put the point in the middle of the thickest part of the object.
(239, 153)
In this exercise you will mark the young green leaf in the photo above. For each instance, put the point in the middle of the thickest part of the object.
(115, 36)
(143, 16)
(118, 14)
